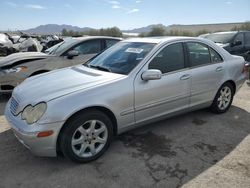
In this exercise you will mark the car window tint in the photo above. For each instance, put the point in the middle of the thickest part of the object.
(171, 58)
(198, 54)
(239, 37)
(110, 42)
(89, 47)
(215, 57)
(247, 36)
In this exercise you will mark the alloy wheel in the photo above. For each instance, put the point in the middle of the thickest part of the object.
(225, 98)
(89, 138)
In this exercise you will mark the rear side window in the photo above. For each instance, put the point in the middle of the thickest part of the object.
(215, 57)
(198, 54)
(171, 58)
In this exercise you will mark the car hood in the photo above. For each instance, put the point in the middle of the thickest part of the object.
(58, 83)
(10, 59)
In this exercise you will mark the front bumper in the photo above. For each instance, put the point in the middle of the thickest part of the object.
(27, 134)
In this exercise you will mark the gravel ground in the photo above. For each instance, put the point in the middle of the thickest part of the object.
(198, 149)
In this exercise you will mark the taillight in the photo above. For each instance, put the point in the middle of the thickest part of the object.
(246, 67)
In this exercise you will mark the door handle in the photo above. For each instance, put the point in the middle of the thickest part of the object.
(185, 77)
(219, 69)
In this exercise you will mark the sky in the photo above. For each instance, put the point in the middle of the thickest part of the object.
(125, 14)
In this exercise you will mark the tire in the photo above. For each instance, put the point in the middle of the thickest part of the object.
(77, 141)
(223, 99)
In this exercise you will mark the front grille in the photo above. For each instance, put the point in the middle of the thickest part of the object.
(13, 106)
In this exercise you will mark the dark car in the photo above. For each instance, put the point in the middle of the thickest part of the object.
(235, 42)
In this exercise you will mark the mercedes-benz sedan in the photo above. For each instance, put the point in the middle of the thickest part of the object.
(78, 110)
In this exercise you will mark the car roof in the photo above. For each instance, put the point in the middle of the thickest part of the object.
(95, 37)
(157, 40)
(228, 32)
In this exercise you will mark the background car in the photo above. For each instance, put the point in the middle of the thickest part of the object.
(19, 66)
(78, 110)
(235, 42)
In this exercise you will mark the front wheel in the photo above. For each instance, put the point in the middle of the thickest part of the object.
(86, 137)
(223, 99)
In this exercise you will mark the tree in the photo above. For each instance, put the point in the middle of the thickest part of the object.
(157, 31)
(64, 32)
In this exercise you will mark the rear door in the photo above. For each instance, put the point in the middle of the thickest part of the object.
(207, 72)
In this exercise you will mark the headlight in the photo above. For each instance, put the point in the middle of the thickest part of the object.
(33, 113)
(16, 69)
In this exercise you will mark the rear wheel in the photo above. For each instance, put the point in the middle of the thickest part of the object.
(86, 137)
(223, 99)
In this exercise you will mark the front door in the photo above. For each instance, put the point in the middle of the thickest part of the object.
(86, 50)
(171, 93)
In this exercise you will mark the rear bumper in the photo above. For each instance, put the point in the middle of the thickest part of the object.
(27, 134)
(240, 82)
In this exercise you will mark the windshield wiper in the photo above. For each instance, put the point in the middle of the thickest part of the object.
(100, 68)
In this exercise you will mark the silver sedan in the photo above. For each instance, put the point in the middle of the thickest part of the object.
(73, 51)
(78, 110)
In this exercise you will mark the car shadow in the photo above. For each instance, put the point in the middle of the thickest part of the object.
(168, 153)
(3, 101)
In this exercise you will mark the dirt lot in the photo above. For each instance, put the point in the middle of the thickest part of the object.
(197, 149)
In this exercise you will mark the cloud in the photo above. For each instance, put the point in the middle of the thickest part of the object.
(37, 7)
(229, 2)
(133, 11)
(11, 4)
(138, 1)
(114, 2)
(116, 7)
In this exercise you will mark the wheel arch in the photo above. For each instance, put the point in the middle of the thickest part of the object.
(102, 109)
(232, 83)
(38, 72)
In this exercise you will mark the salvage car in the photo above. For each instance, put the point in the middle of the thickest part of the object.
(77, 110)
(235, 42)
(19, 66)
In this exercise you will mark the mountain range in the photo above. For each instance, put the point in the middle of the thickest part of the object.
(56, 29)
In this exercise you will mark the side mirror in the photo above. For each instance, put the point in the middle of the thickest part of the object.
(151, 74)
(236, 43)
(72, 53)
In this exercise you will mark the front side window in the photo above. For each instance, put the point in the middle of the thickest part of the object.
(171, 58)
(223, 38)
(121, 58)
(60, 47)
(89, 47)
(239, 38)
(198, 54)
(110, 42)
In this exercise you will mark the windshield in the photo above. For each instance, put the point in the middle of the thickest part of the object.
(60, 47)
(221, 37)
(122, 57)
